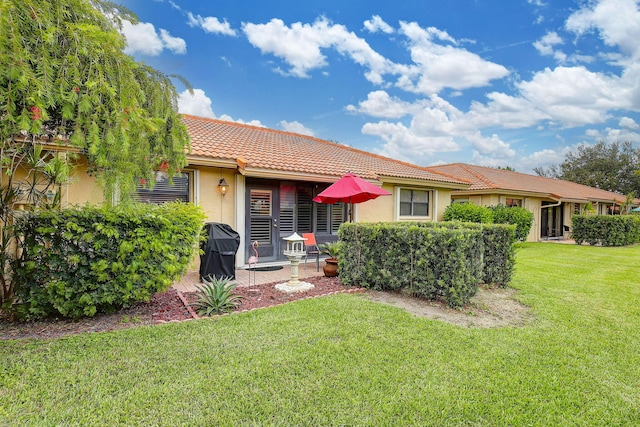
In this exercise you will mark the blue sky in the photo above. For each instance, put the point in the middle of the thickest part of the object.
(490, 82)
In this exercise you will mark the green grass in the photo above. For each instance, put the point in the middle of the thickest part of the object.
(343, 360)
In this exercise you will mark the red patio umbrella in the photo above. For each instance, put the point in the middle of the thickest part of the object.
(350, 189)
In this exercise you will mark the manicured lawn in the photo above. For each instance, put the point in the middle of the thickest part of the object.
(343, 360)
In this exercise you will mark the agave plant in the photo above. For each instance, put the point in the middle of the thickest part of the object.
(216, 296)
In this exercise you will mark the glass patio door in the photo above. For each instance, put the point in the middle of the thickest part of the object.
(262, 226)
(551, 222)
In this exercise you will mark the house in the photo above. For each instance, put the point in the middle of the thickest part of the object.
(261, 181)
(271, 177)
(552, 201)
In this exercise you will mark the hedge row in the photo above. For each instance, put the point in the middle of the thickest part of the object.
(500, 214)
(606, 230)
(429, 260)
(83, 261)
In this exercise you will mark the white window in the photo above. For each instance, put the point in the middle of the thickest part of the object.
(414, 203)
(577, 209)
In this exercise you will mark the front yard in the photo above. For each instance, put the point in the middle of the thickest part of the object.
(344, 359)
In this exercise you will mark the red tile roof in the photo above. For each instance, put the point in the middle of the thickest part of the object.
(485, 178)
(263, 148)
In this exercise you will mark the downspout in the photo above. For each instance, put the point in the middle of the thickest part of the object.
(434, 217)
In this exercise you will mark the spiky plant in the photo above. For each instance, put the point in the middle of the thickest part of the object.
(216, 296)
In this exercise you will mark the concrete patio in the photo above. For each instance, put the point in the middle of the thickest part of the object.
(188, 281)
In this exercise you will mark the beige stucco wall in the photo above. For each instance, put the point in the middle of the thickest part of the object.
(384, 208)
(485, 199)
(444, 200)
(377, 210)
(533, 204)
(82, 188)
(216, 207)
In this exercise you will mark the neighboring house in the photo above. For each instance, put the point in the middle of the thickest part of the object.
(552, 201)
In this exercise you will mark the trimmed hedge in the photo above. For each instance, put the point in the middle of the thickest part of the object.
(500, 214)
(499, 250)
(88, 260)
(606, 230)
(430, 260)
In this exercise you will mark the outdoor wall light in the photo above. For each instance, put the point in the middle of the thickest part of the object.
(223, 186)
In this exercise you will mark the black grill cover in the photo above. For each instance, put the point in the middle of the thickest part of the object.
(219, 251)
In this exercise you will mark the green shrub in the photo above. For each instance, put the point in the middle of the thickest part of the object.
(521, 217)
(606, 230)
(216, 296)
(468, 212)
(87, 260)
(499, 251)
(427, 260)
(431, 260)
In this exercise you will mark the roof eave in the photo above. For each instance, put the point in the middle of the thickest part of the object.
(503, 191)
(285, 175)
(194, 160)
(424, 183)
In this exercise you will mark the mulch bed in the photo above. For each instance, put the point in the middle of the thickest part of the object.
(166, 307)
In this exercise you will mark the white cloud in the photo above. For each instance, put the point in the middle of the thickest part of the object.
(612, 135)
(436, 126)
(438, 62)
(405, 143)
(296, 127)
(199, 104)
(431, 130)
(377, 24)
(174, 44)
(298, 45)
(506, 111)
(174, 5)
(196, 104)
(415, 130)
(301, 45)
(250, 122)
(492, 146)
(574, 95)
(561, 97)
(380, 104)
(629, 123)
(211, 24)
(546, 46)
(617, 22)
(143, 39)
(544, 158)
(439, 66)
